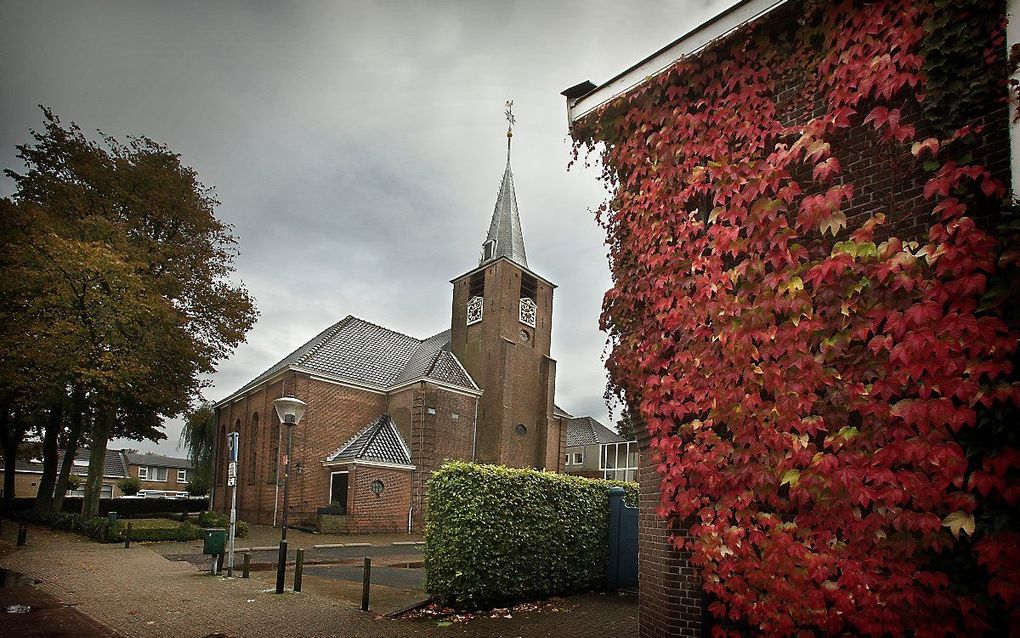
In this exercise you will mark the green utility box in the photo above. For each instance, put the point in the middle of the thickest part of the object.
(215, 541)
(111, 518)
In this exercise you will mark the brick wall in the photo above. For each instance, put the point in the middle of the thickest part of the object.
(669, 588)
(386, 512)
(671, 596)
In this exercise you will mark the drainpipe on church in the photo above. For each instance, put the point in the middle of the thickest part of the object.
(474, 433)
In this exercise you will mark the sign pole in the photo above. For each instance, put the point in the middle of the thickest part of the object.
(232, 482)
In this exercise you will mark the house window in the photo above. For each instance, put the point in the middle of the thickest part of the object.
(430, 410)
(566, 459)
(578, 458)
(151, 473)
(454, 416)
(182, 476)
(618, 461)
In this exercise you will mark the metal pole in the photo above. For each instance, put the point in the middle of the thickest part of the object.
(281, 568)
(127, 537)
(366, 584)
(299, 568)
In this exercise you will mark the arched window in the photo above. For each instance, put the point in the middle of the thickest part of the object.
(274, 472)
(221, 458)
(253, 442)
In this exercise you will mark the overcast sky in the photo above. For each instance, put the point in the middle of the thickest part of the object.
(356, 147)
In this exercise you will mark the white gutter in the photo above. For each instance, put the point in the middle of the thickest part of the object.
(1013, 38)
(689, 44)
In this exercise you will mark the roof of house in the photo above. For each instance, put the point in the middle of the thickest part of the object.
(584, 430)
(505, 227)
(585, 98)
(362, 352)
(113, 467)
(379, 441)
(157, 460)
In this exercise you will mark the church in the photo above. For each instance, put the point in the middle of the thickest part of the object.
(387, 409)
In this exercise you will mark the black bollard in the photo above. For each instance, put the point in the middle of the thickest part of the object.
(127, 536)
(22, 534)
(366, 584)
(247, 565)
(298, 569)
(219, 563)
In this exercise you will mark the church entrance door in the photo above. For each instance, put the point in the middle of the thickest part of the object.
(338, 490)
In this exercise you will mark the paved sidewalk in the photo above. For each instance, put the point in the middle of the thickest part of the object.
(138, 592)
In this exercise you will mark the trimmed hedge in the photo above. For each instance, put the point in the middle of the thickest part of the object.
(161, 529)
(126, 507)
(98, 528)
(496, 535)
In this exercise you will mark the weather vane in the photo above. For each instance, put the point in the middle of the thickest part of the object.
(510, 120)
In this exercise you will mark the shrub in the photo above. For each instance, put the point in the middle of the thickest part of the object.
(74, 481)
(216, 519)
(496, 535)
(129, 485)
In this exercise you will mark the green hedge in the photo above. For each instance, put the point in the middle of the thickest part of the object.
(216, 519)
(496, 535)
(98, 527)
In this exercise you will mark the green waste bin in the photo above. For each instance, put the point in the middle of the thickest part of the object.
(111, 518)
(215, 541)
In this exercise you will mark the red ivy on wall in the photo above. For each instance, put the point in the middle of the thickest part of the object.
(831, 408)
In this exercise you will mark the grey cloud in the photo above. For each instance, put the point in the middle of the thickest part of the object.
(356, 147)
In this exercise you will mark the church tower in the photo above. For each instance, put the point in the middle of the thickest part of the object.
(502, 332)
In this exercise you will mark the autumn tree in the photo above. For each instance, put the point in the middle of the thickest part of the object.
(126, 271)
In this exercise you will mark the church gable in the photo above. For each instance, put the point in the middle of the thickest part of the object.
(379, 442)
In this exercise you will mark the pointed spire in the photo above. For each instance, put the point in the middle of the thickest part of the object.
(505, 238)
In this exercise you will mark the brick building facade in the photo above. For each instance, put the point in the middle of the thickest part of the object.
(385, 409)
(671, 600)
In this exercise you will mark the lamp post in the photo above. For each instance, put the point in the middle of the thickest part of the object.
(290, 410)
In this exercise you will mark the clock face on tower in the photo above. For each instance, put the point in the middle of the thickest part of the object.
(474, 310)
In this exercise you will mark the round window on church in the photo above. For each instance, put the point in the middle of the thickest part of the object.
(377, 487)
(521, 429)
(525, 335)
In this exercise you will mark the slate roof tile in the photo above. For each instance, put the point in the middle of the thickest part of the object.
(379, 441)
(585, 430)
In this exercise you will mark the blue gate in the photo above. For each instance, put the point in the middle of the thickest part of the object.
(622, 570)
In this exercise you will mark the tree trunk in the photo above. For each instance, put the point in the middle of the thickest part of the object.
(70, 450)
(97, 460)
(54, 423)
(12, 431)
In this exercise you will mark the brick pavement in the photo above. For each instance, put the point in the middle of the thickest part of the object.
(138, 592)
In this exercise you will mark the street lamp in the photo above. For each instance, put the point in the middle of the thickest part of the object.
(290, 410)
